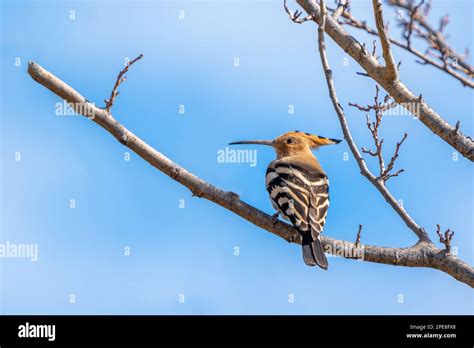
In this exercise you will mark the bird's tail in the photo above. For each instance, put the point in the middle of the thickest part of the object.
(313, 252)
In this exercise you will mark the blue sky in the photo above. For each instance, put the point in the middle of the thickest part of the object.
(188, 253)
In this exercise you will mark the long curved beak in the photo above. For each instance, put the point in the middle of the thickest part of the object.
(256, 142)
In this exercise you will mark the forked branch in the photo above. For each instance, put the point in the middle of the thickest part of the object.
(424, 241)
(379, 108)
(390, 70)
(397, 90)
(455, 64)
(437, 47)
(445, 238)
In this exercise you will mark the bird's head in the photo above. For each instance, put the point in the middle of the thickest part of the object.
(293, 143)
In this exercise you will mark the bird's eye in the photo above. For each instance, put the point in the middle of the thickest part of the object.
(289, 141)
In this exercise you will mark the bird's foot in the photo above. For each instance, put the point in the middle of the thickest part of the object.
(275, 218)
(292, 238)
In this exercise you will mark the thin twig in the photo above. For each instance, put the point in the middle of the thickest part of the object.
(385, 175)
(411, 23)
(378, 108)
(295, 16)
(374, 49)
(357, 242)
(120, 79)
(367, 108)
(446, 238)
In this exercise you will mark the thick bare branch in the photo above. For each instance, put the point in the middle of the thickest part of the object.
(400, 93)
(423, 254)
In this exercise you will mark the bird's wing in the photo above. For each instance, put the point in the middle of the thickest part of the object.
(319, 205)
(301, 195)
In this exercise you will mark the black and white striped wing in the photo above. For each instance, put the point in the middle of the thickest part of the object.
(301, 196)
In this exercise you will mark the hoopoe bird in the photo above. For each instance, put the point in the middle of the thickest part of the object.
(299, 188)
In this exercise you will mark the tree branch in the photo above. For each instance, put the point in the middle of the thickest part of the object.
(425, 242)
(120, 79)
(446, 238)
(423, 254)
(295, 16)
(341, 7)
(350, 20)
(400, 93)
(435, 38)
(357, 242)
(391, 71)
(422, 235)
(378, 108)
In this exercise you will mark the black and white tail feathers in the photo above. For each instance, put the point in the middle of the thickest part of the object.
(313, 252)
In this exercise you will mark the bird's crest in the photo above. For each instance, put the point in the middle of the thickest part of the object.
(315, 141)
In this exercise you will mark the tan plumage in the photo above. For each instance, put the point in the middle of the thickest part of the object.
(299, 188)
